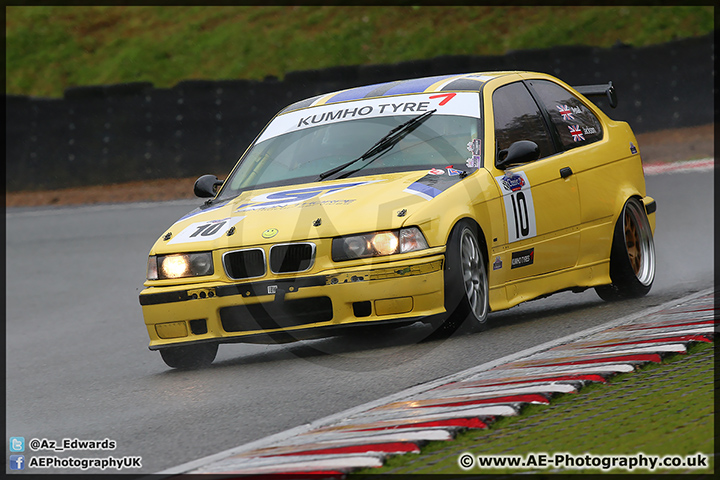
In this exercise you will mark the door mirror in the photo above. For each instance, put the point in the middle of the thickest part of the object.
(522, 151)
(206, 186)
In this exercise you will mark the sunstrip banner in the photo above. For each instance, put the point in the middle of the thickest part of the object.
(466, 104)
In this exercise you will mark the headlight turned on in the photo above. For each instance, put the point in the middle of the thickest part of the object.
(377, 244)
(180, 265)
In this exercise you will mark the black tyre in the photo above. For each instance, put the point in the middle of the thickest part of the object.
(190, 356)
(466, 281)
(632, 257)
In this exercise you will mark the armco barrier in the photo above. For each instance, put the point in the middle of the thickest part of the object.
(106, 134)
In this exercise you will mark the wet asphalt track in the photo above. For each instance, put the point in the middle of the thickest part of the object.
(78, 364)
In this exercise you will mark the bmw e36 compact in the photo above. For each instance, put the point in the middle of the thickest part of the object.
(434, 199)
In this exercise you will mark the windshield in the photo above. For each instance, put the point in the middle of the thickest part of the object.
(301, 156)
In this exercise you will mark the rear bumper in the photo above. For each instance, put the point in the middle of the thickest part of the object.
(289, 309)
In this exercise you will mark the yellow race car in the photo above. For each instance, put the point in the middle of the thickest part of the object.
(433, 199)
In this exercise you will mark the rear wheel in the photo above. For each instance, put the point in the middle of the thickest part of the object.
(632, 257)
(189, 356)
(466, 281)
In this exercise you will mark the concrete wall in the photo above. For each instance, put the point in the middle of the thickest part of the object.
(117, 133)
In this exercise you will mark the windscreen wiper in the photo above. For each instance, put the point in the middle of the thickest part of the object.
(384, 144)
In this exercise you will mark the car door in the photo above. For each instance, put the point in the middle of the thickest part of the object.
(541, 203)
(579, 132)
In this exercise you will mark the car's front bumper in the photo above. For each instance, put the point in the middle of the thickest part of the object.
(294, 308)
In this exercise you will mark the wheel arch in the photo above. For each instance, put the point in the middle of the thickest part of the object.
(479, 233)
(624, 196)
(632, 266)
(460, 309)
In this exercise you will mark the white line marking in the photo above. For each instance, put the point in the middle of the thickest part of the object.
(541, 372)
(305, 464)
(335, 418)
(705, 164)
(601, 350)
(404, 435)
(478, 393)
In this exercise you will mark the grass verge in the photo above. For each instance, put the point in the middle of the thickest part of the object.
(51, 48)
(662, 409)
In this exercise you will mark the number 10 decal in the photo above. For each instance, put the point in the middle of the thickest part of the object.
(519, 208)
(208, 230)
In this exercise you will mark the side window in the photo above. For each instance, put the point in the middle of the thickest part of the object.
(575, 123)
(517, 117)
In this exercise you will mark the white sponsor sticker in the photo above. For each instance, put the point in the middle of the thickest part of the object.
(519, 207)
(465, 104)
(203, 231)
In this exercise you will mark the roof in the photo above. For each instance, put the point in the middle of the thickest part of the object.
(442, 83)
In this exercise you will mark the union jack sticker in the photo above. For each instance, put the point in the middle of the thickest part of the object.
(565, 112)
(576, 133)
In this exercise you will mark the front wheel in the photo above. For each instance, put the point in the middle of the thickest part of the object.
(189, 356)
(466, 281)
(632, 257)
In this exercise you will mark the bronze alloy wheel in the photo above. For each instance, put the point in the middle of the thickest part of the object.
(632, 258)
(639, 243)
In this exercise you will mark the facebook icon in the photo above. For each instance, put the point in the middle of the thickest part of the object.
(17, 462)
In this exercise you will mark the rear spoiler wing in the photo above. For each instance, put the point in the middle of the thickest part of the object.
(597, 90)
